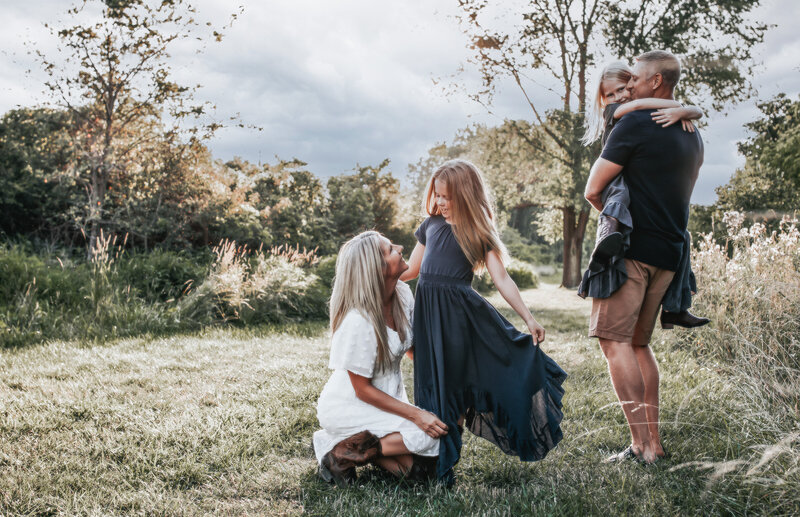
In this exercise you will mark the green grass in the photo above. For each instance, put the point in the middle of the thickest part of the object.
(220, 422)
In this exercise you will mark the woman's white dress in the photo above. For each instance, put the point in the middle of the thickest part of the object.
(341, 414)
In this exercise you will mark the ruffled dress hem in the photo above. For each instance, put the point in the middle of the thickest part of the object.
(485, 417)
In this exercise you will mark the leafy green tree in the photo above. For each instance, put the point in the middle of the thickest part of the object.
(366, 200)
(419, 173)
(770, 178)
(159, 198)
(563, 39)
(112, 75)
(36, 191)
(293, 202)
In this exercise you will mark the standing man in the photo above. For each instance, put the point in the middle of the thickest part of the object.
(660, 166)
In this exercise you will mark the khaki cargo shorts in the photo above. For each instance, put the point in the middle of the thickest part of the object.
(630, 313)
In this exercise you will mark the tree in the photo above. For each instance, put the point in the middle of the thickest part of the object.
(292, 201)
(113, 75)
(419, 174)
(562, 39)
(366, 200)
(159, 197)
(770, 178)
(36, 194)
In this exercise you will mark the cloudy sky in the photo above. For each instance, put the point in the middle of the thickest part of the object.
(340, 83)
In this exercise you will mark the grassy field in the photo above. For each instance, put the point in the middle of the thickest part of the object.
(220, 422)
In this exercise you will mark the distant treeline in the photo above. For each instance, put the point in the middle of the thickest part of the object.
(173, 195)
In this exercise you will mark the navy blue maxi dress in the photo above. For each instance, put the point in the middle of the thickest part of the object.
(469, 360)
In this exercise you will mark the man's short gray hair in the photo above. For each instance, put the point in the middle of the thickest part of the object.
(666, 64)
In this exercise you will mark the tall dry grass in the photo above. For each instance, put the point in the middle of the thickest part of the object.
(264, 286)
(750, 288)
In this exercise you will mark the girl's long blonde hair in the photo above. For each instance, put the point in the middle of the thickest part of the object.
(471, 213)
(359, 284)
(616, 70)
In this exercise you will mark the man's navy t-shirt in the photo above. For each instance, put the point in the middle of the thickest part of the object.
(660, 166)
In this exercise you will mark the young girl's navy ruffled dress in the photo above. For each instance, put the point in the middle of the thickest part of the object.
(469, 360)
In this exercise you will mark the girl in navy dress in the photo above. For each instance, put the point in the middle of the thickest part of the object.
(471, 366)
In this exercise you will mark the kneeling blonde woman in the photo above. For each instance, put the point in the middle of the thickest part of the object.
(363, 409)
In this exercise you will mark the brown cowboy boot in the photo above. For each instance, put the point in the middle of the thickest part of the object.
(339, 465)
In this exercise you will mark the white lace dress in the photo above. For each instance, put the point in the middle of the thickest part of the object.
(341, 414)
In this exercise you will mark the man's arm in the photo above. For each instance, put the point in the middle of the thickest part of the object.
(603, 171)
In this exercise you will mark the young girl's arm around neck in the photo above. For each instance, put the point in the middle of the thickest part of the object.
(508, 289)
(651, 103)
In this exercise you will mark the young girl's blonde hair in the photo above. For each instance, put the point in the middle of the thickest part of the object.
(358, 284)
(616, 70)
(471, 214)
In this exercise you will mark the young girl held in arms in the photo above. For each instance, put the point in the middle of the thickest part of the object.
(606, 271)
(472, 368)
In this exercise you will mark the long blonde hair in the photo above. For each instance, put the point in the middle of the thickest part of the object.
(359, 284)
(615, 70)
(471, 211)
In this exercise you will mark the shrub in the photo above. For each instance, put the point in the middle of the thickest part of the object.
(522, 273)
(260, 287)
(325, 269)
(750, 288)
(161, 275)
(526, 250)
(50, 298)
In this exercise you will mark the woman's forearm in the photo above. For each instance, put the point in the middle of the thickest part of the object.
(645, 104)
(368, 393)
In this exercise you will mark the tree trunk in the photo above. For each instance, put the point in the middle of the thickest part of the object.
(574, 231)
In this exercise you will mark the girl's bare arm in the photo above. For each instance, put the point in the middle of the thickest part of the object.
(650, 103)
(668, 116)
(414, 262)
(684, 112)
(368, 393)
(508, 289)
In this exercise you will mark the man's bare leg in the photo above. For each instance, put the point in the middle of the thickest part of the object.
(626, 377)
(649, 368)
